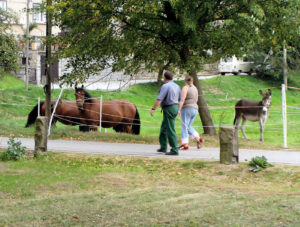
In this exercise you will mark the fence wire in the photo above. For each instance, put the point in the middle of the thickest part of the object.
(275, 111)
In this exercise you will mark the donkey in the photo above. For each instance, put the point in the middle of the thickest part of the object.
(253, 111)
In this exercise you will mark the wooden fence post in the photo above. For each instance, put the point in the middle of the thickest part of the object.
(40, 136)
(229, 147)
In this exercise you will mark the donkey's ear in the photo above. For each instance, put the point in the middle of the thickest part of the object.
(82, 86)
(75, 86)
(261, 92)
(269, 90)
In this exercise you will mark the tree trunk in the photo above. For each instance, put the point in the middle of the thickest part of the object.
(207, 123)
(48, 71)
(160, 73)
(159, 76)
(27, 47)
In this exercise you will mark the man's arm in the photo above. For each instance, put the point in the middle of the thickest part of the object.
(156, 104)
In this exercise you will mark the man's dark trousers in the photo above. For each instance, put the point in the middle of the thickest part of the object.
(167, 129)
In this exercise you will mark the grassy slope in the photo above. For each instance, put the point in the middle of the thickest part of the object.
(221, 94)
(81, 190)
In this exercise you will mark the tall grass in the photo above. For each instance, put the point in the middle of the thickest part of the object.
(221, 94)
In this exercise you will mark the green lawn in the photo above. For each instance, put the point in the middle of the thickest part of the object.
(221, 94)
(99, 190)
(84, 190)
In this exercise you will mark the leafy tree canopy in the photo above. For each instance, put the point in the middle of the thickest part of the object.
(8, 46)
(135, 34)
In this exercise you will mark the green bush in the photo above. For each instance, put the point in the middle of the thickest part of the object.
(15, 150)
(9, 56)
(258, 163)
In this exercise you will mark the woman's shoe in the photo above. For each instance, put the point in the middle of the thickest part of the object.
(183, 147)
(199, 143)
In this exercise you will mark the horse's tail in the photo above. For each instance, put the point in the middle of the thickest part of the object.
(136, 126)
(33, 115)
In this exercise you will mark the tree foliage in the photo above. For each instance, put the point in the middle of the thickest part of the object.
(281, 27)
(149, 34)
(8, 46)
(137, 34)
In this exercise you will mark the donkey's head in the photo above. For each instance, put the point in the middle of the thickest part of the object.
(266, 99)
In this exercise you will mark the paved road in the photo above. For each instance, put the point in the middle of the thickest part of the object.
(144, 150)
(112, 85)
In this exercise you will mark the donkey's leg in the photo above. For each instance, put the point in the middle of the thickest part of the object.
(261, 124)
(236, 126)
(243, 127)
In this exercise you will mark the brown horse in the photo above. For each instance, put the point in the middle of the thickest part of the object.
(122, 115)
(66, 112)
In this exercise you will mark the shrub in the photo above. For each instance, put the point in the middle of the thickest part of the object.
(15, 150)
(258, 163)
(9, 53)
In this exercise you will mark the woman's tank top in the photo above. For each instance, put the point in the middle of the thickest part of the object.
(191, 98)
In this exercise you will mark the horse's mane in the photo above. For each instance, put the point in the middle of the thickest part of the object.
(87, 96)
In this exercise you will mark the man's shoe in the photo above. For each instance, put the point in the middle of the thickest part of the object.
(161, 150)
(171, 153)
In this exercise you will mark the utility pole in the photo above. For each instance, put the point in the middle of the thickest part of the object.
(27, 47)
(48, 68)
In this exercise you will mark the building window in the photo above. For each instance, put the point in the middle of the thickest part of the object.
(38, 16)
(3, 4)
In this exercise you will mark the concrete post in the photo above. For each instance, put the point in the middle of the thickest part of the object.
(40, 136)
(229, 147)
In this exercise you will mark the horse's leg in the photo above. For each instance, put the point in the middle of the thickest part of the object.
(128, 129)
(53, 124)
(94, 128)
(243, 127)
(118, 128)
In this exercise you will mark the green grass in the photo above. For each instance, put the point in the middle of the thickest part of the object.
(8, 81)
(86, 190)
(90, 190)
(221, 94)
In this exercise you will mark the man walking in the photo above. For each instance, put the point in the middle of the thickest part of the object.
(169, 98)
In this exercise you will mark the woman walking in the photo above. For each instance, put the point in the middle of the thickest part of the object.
(189, 112)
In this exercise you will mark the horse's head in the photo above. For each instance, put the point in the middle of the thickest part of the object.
(266, 100)
(80, 96)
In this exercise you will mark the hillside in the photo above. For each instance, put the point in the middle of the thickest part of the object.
(221, 94)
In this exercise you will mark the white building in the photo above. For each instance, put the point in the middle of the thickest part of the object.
(37, 49)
